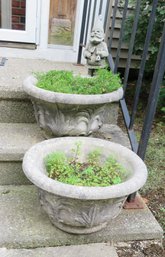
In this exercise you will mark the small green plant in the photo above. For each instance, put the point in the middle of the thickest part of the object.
(93, 172)
(65, 82)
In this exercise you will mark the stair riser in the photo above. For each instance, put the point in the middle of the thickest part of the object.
(11, 173)
(21, 111)
(16, 111)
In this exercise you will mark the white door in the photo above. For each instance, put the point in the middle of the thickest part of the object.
(18, 20)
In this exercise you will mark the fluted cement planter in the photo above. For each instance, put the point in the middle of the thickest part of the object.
(60, 114)
(80, 209)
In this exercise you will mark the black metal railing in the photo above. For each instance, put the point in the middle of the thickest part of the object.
(129, 118)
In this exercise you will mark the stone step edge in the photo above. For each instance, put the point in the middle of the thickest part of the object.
(34, 228)
(86, 250)
(17, 138)
(9, 93)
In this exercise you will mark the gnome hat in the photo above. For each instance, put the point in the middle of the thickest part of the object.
(98, 24)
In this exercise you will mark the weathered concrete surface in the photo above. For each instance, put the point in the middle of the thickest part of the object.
(11, 173)
(113, 133)
(14, 103)
(83, 210)
(16, 111)
(11, 78)
(24, 225)
(17, 138)
(90, 250)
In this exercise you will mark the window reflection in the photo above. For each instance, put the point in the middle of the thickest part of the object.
(12, 14)
(62, 22)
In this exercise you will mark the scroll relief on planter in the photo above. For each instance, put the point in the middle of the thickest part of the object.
(74, 212)
(60, 120)
(96, 51)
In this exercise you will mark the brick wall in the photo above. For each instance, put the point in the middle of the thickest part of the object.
(18, 14)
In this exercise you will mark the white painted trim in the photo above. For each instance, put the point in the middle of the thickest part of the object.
(6, 12)
(29, 35)
(44, 23)
(78, 22)
(104, 9)
(77, 29)
(57, 52)
(50, 52)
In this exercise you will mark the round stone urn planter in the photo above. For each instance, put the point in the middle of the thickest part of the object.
(81, 209)
(60, 114)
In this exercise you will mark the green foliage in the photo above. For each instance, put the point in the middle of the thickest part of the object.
(65, 82)
(146, 7)
(161, 101)
(89, 173)
(155, 159)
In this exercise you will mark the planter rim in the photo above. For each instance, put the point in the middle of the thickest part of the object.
(33, 164)
(29, 86)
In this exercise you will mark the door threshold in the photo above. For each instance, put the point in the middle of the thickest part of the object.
(30, 46)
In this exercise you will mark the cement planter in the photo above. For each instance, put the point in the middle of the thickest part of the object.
(60, 114)
(78, 209)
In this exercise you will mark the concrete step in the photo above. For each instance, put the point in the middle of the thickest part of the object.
(17, 138)
(16, 110)
(24, 224)
(14, 104)
(90, 250)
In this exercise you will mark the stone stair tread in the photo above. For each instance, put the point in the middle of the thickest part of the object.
(16, 138)
(11, 78)
(24, 224)
(96, 250)
(11, 91)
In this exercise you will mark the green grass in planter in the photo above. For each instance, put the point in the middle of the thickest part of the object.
(91, 173)
(65, 82)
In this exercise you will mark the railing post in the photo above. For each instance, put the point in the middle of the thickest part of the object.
(153, 97)
(143, 62)
(82, 31)
(131, 44)
(121, 36)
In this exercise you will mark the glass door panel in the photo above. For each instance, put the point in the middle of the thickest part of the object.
(62, 22)
(18, 20)
(12, 14)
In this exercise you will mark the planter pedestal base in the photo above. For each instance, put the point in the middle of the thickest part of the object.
(74, 230)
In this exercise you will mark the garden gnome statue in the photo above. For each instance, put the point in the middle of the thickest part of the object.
(96, 51)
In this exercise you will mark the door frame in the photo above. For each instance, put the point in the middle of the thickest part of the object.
(44, 27)
(29, 34)
(6, 14)
(56, 53)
